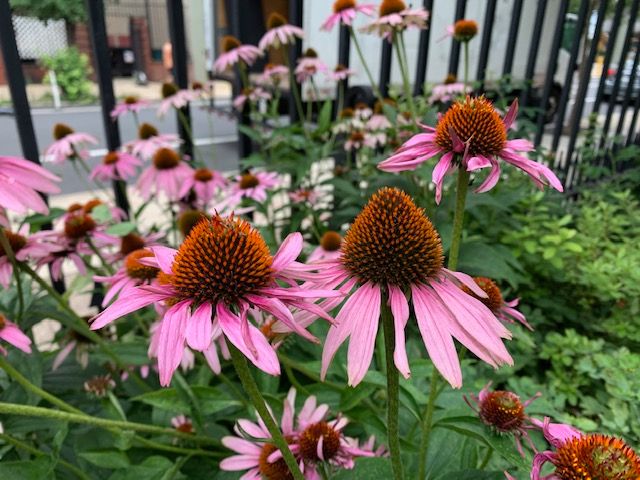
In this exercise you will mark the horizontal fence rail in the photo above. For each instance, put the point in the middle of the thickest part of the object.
(559, 115)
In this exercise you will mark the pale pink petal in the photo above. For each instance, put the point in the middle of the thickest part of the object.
(171, 340)
(363, 335)
(288, 251)
(400, 310)
(199, 328)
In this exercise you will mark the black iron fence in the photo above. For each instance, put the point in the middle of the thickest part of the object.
(562, 137)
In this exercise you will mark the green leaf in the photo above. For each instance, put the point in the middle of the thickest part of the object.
(101, 213)
(375, 468)
(40, 468)
(212, 400)
(106, 459)
(121, 229)
(153, 468)
(324, 117)
(38, 220)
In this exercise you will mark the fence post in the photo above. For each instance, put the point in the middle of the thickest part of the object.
(454, 58)
(175, 13)
(295, 51)
(516, 13)
(98, 31)
(385, 68)
(533, 52)
(487, 30)
(423, 53)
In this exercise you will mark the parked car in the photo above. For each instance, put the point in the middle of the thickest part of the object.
(625, 79)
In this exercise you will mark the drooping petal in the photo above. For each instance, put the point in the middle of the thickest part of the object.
(440, 170)
(400, 310)
(171, 340)
(130, 301)
(363, 335)
(199, 328)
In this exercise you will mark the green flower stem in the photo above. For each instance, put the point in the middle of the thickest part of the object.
(374, 86)
(30, 387)
(95, 250)
(8, 251)
(398, 42)
(80, 326)
(426, 425)
(292, 85)
(487, 457)
(458, 217)
(466, 66)
(39, 453)
(251, 388)
(393, 392)
(173, 449)
(29, 411)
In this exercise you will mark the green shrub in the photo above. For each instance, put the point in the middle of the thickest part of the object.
(72, 73)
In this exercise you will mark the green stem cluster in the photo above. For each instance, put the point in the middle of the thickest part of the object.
(374, 86)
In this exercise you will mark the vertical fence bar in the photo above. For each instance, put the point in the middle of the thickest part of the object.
(423, 53)
(568, 79)
(581, 94)
(385, 68)
(613, 33)
(551, 69)
(628, 91)
(533, 52)
(17, 87)
(487, 29)
(175, 13)
(634, 119)
(514, 26)
(454, 58)
(633, 12)
(344, 47)
(295, 18)
(98, 31)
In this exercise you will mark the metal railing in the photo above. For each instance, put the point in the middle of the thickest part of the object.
(566, 154)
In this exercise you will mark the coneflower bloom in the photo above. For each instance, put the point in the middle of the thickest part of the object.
(446, 92)
(125, 244)
(131, 274)
(115, 166)
(463, 30)
(340, 73)
(253, 185)
(394, 16)
(503, 310)
(304, 195)
(205, 183)
(378, 122)
(174, 98)
(279, 32)
(223, 268)
(504, 412)
(273, 74)
(252, 95)
(167, 174)
(345, 11)
(24, 246)
(473, 133)
(11, 333)
(68, 144)
(150, 140)
(329, 248)
(20, 182)
(73, 341)
(99, 386)
(182, 423)
(233, 52)
(308, 65)
(392, 249)
(130, 104)
(592, 456)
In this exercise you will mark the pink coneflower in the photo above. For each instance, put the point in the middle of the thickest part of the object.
(448, 91)
(223, 268)
(150, 140)
(504, 412)
(340, 73)
(390, 249)
(130, 104)
(253, 185)
(234, 52)
(68, 145)
(494, 301)
(20, 182)
(11, 333)
(252, 95)
(463, 30)
(279, 32)
(167, 174)
(359, 139)
(273, 74)
(115, 166)
(182, 423)
(205, 183)
(308, 65)
(593, 456)
(329, 248)
(473, 133)
(174, 98)
(131, 274)
(394, 16)
(304, 195)
(24, 246)
(187, 359)
(362, 111)
(124, 245)
(378, 122)
(345, 11)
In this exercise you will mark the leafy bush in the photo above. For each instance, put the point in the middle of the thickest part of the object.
(72, 73)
